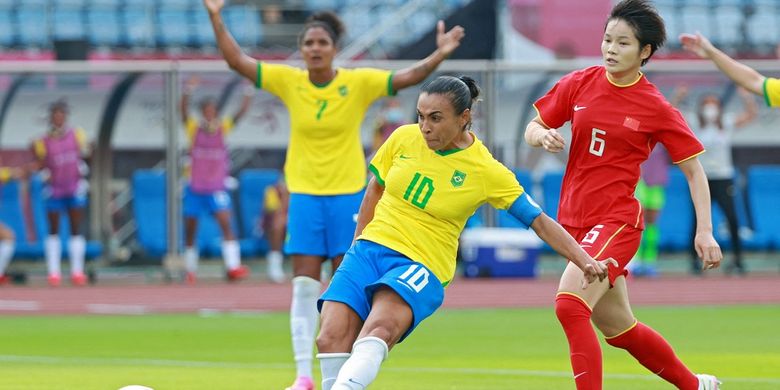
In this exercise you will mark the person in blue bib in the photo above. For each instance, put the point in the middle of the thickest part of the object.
(428, 179)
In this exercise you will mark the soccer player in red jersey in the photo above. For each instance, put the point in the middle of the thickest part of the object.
(617, 117)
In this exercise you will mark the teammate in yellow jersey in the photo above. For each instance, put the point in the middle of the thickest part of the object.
(745, 76)
(428, 179)
(325, 165)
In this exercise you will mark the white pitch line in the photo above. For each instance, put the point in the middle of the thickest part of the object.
(109, 308)
(55, 360)
(7, 304)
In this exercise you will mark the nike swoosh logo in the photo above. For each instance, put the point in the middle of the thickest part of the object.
(350, 380)
(580, 374)
(577, 108)
(402, 157)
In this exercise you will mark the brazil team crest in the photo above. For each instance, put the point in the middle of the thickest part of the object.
(458, 178)
(343, 90)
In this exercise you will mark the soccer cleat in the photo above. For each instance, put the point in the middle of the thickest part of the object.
(5, 279)
(54, 280)
(78, 279)
(302, 383)
(708, 382)
(238, 273)
(190, 278)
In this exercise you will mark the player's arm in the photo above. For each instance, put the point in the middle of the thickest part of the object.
(749, 108)
(742, 74)
(529, 213)
(236, 59)
(706, 246)
(539, 134)
(184, 104)
(246, 100)
(374, 192)
(446, 43)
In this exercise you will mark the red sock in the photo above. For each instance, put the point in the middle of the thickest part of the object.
(655, 353)
(584, 348)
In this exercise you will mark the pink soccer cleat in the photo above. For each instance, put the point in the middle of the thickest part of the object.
(78, 279)
(238, 273)
(54, 280)
(302, 383)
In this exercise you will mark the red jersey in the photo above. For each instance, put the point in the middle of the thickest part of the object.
(614, 129)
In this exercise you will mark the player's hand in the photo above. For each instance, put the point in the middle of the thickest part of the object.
(708, 250)
(214, 6)
(697, 44)
(449, 41)
(595, 269)
(553, 141)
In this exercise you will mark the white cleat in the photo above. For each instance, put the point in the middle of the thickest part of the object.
(708, 382)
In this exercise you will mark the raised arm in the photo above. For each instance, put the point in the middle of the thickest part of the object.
(538, 134)
(706, 246)
(749, 109)
(236, 59)
(446, 43)
(184, 103)
(374, 192)
(249, 92)
(743, 75)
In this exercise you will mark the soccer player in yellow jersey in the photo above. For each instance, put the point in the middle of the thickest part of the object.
(429, 178)
(325, 166)
(745, 76)
(209, 167)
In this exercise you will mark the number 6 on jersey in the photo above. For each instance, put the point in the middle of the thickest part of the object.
(597, 144)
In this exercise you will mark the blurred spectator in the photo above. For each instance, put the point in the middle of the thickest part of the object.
(62, 153)
(651, 194)
(715, 131)
(390, 118)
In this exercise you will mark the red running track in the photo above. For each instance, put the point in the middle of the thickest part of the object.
(464, 293)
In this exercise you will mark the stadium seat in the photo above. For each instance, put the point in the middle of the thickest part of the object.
(551, 193)
(676, 218)
(728, 19)
(104, 27)
(203, 33)
(173, 27)
(67, 23)
(245, 25)
(30, 33)
(138, 26)
(762, 27)
(252, 184)
(41, 222)
(323, 5)
(149, 211)
(763, 187)
(7, 33)
(696, 18)
(503, 218)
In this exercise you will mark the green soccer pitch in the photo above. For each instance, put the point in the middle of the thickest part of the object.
(455, 349)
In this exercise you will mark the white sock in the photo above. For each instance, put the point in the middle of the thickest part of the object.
(191, 259)
(53, 250)
(231, 252)
(363, 366)
(330, 364)
(275, 268)
(6, 252)
(77, 246)
(303, 321)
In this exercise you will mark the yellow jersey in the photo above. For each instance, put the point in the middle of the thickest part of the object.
(772, 91)
(191, 127)
(39, 145)
(325, 155)
(429, 195)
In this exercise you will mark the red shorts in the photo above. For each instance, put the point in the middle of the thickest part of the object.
(613, 239)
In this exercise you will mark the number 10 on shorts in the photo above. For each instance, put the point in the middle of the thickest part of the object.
(415, 280)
